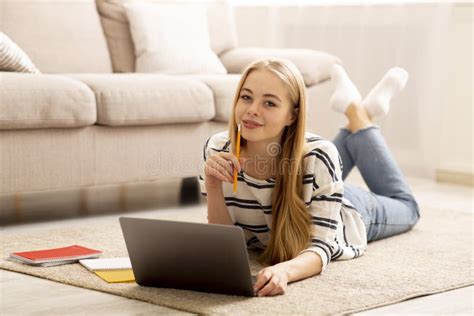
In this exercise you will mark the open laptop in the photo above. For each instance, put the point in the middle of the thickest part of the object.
(191, 256)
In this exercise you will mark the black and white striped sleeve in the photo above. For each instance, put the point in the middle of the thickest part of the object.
(326, 199)
(215, 143)
(202, 174)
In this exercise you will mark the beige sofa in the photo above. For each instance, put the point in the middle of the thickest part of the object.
(88, 120)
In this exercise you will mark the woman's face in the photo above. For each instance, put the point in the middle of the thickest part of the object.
(263, 107)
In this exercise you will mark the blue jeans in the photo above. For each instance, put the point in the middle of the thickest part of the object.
(389, 208)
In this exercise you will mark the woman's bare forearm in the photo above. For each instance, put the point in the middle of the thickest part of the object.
(304, 266)
(217, 212)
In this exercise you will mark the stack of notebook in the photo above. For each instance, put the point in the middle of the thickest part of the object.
(55, 256)
(112, 270)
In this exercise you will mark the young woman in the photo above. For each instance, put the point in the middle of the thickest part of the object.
(292, 201)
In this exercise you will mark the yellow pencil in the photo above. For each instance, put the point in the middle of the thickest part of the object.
(237, 153)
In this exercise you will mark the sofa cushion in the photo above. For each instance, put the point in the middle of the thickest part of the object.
(43, 101)
(224, 89)
(315, 66)
(149, 99)
(171, 38)
(58, 35)
(222, 30)
(117, 33)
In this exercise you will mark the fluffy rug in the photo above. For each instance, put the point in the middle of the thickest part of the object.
(433, 257)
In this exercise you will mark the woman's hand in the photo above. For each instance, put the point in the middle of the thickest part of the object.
(272, 280)
(220, 167)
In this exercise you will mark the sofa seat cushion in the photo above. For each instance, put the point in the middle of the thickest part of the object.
(149, 99)
(44, 101)
(224, 88)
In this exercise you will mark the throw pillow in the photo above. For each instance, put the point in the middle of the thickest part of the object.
(222, 30)
(172, 38)
(13, 58)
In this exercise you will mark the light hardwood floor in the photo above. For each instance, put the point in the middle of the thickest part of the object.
(26, 295)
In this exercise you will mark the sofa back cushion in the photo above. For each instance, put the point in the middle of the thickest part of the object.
(222, 30)
(59, 36)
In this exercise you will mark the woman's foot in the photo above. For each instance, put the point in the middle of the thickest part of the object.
(377, 102)
(345, 92)
(359, 117)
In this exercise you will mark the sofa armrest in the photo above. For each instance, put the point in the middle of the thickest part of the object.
(315, 66)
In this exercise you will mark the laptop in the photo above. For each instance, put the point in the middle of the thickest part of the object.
(201, 257)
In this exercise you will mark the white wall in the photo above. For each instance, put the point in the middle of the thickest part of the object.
(430, 123)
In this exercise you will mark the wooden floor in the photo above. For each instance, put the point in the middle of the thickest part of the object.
(26, 295)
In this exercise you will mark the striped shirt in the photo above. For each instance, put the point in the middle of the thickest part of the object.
(338, 232)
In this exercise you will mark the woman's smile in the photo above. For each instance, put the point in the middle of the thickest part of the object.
(250, 124)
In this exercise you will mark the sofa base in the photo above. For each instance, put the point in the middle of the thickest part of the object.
(57, 159)
(98, 200)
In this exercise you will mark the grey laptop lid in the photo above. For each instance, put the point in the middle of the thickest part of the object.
(191, 256)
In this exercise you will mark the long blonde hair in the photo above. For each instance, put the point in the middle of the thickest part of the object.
(291, 221)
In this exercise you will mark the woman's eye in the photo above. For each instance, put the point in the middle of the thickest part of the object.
(247, 98)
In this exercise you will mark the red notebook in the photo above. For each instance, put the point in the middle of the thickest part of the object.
(71, 253)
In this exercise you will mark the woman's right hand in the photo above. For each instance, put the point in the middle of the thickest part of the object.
(220, 168)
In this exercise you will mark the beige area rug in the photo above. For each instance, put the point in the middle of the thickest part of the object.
(435, 256)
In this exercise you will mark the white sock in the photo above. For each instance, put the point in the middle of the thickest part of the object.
(345, 92)
(377, 102)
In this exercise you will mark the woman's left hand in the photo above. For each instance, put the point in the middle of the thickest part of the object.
(271, 280)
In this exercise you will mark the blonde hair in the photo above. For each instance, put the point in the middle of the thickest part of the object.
(291, 221)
